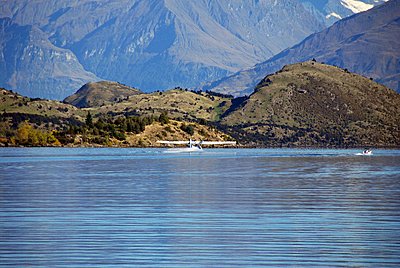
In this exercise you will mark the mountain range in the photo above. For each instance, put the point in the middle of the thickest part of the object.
(331, 11)
(367, 43)
(50, 48)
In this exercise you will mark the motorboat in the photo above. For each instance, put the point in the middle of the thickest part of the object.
(365, 152)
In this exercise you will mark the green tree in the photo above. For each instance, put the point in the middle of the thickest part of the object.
(163, 118)
(189, 129)
(89, 120)
(5, 129)
(119, 135)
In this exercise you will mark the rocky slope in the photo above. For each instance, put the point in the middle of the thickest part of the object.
(30, 63)
(162, 44)
(367, 43)
(152, 44)
(100, 93)
(313, 104)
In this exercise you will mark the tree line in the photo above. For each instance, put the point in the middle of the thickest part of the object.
(33, 131)
(26, 135)
(103, 129)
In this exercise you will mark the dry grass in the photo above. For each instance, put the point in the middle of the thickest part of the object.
(14, 103)
(177, 103)
(318, 98)
(173, 131)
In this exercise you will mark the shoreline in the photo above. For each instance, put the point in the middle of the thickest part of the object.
(94, 146)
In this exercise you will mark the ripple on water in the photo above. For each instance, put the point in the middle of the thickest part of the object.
(221, 208)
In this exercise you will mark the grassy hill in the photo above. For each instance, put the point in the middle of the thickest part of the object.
(304, 104)
(11, 102)
(45, 117)
(139, 120)
(101, 93)
(178, 103)
(310, 103)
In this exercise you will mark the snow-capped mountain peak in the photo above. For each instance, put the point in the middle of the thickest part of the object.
(331, 11)
(356, 6)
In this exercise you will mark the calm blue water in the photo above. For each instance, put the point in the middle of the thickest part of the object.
(217, 208)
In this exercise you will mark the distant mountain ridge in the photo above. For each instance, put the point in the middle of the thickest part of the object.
(367, 43)
(150, 44)
(184, 43)
(331, 11)
(30, 63)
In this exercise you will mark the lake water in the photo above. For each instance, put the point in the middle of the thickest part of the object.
(64, 207)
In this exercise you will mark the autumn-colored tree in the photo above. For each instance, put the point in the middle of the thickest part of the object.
(23, 131)
(28, 135)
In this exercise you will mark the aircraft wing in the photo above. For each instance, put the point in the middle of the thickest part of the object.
(173, 142)
(217, 142)
(198, 142)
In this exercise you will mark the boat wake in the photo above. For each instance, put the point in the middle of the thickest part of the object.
(364, 154)
(183, 150)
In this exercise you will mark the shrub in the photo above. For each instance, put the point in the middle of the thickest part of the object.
(189, 129)
(169, 129)
(163, 118)
(119, 135)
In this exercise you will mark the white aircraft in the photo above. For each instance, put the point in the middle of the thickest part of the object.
(196, 145)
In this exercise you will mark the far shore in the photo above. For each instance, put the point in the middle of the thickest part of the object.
(210, 147)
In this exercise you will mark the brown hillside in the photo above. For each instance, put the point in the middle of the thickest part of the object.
(173, 131)
(11, 102)
(178, 103)
(316, 104)
(101, 93)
